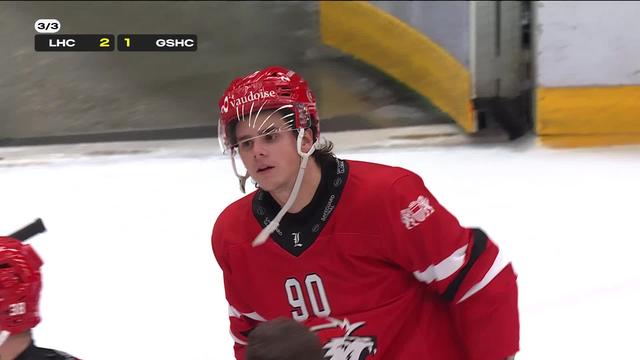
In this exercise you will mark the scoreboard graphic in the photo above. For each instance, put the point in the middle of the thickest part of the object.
(47, 40)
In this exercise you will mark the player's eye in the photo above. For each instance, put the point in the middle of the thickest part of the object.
(246, 145)
(271, 137)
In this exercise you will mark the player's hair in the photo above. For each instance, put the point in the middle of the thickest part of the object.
(283, 339)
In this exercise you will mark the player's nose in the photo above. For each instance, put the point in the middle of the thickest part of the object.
(259, 149)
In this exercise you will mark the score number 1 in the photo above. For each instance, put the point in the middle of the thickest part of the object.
(124, 43)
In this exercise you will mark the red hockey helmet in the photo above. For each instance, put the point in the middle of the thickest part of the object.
(20, 285)
(269, 89)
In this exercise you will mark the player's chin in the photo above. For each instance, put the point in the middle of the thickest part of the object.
(265, 178)
(263, 183)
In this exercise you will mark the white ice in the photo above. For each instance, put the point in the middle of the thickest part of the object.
(129, 272)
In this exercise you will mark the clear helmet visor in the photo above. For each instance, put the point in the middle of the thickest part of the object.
(249, 128)
(258, 126)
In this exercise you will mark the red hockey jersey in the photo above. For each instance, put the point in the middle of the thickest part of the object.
(391, 274)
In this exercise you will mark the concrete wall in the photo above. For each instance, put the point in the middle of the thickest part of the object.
(78, 96)
(48, 94)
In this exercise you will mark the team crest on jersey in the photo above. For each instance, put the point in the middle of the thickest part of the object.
(296, 239)
(340, 342)
(416, 213)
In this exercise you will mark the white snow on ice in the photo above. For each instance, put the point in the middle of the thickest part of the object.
(129, 272)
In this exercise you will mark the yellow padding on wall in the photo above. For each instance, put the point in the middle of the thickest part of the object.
(380, 39)
(588, 111)
(574, 141)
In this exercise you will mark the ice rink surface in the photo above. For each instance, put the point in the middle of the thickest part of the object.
(129, 272)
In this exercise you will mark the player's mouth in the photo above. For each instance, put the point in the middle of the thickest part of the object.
(264, 169)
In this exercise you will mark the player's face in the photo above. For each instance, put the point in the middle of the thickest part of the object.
(268, 151)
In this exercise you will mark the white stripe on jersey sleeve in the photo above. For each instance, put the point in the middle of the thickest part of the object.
(237, 340)
(233, 312)
(498, 265)
(255, 316)
(444, 268)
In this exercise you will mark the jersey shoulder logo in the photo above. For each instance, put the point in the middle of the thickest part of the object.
(416, 212)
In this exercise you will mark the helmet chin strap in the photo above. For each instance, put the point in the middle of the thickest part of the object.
(241, 178)
(273, 225)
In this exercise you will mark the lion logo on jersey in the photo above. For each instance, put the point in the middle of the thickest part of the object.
(340, 344)
(416, 213)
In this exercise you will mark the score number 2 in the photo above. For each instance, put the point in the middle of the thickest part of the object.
(104, 42)
(319, 303)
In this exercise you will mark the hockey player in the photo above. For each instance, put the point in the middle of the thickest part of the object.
(362, 250)
(20, 284)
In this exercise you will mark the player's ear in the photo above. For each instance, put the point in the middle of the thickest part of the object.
(307, 140)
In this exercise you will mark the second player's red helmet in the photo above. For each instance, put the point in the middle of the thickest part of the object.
(272, 88)
(20, 285)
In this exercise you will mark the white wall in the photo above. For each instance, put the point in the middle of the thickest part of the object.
(587, 43)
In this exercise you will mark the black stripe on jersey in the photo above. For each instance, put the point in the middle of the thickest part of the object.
(480, 240)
